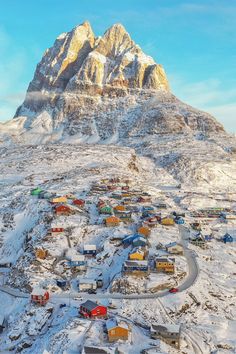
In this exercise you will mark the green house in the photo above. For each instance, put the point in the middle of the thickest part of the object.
(36, 191)
(106, 210)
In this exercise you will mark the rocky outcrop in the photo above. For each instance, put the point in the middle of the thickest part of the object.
(98, 89)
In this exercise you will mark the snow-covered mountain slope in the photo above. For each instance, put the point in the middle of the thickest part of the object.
(104, 89)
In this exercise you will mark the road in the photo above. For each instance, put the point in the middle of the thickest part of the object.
(193, 271)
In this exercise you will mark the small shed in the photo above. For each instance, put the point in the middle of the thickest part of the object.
(90, 309)
(112, 221)
(90, 250)
(117, 330)
(39, 296)
(62, 283)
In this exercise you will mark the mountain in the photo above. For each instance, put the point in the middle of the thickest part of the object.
(100, 89)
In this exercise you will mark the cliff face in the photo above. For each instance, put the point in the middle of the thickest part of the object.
(103, 88)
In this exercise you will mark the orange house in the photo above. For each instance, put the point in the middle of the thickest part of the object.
(145, 231)
(119, 208)
(63, 210)
(112, 221)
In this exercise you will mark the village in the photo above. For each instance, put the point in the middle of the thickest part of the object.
(115, 241)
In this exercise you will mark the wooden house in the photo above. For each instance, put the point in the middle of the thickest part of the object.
(92, 349)
(136, 267)
(227, 238)
(41, 253)
(62, 283)
(167, 221)
(179, 220)
(63, 210)
(90, 250)
(144, 199)
(79, 202)
(54, 231)
(117, 330)
(39, 296)
(59, 200)
(137, 254)
(139, 241)
(166, 265)
(112, 221)
(174, 248)
(36, 191)
(144, 230)
(125, 216)
(90, 309)
(168, 333)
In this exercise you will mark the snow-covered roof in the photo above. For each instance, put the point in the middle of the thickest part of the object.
(87, 281)
(165, 259)
(171, 328)
(172, 244)
(138, 263)
(38, 291)
(113, 322)
(90, 247)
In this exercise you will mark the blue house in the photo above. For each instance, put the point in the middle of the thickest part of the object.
(128, 240)
(62, 283)
(227, 238)
(90, 250)
(139, 241)
(179, 221)
(135, 266)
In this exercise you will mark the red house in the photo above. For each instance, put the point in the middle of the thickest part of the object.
(79, 202)
(56, 230)
(63, 210)
(90, 309)
(39, 296)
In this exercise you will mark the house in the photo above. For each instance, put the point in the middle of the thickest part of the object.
(161, 205)
(87, 284)
(167, 221)
(62, 283)
(77, 260)
(136, 267)
(166, 265)
(119, 208)
(144, 230)
(39, 296)
(112, 221)
(179, 220)
(90, 250)
(174, 248)
(78, 202)
(99, 282)
(106, 209)
(98, 350)
(139, 241)
(151, 222)
(41, 253)
(137, 254)
(168, 333)
(45, 195)
(36, 191)
(117, 330)
(90, 309)
(70, 196)
(144, 199)
(227, 238)
(57, 231)
(59, 200)
(63, 210)
(125, 216)
(196, 226)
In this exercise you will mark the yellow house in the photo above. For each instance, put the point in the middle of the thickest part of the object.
(168, 221)
(166, 265)
(41, 253)
(59, 200)
(137, 255)
(119, 208)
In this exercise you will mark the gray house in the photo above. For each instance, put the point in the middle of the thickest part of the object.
(168, 333)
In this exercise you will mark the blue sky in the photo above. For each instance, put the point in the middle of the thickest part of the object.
(194, 40)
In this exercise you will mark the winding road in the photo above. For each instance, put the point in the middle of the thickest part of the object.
(193, 272)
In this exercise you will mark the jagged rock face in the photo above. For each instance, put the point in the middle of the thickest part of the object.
(103, 88)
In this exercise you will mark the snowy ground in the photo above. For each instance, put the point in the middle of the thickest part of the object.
(24, 223)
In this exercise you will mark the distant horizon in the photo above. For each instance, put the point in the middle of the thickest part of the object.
(193, 40)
